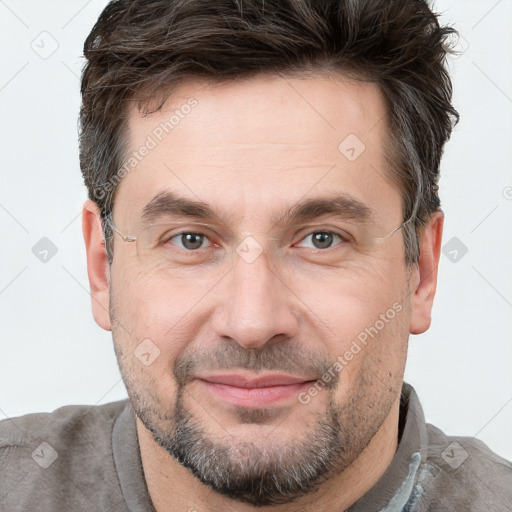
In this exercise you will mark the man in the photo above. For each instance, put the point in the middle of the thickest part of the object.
(262, 235)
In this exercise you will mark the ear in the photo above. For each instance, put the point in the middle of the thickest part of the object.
(97, 263)
(424, 276)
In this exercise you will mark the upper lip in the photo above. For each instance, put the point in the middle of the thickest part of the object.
(246, 381)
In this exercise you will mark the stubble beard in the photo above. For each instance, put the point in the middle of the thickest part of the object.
(259, 473)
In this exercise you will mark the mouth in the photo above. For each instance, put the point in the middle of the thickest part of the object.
(263, 391)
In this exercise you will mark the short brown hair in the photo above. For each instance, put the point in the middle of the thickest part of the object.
(142, 49)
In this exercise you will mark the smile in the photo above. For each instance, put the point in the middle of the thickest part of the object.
(262, 391)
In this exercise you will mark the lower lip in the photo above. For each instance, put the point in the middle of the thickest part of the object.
(255, 397)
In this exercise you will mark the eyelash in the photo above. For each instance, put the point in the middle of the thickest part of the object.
(342, 240)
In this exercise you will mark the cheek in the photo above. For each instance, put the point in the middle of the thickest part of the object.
(148, 337)
(375, 355)
(151, 318)
(360, 317)
(345, 301)
(154, 306)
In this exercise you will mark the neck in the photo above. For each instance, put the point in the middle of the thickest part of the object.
(173, 487)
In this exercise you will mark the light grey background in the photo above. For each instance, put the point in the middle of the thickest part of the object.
(54, 354)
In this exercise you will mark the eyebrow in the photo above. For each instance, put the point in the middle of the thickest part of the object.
(168, 204)
(343, 206)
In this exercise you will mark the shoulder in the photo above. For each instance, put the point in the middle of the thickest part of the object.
(465, 472)
(41, 454)
(66, 424)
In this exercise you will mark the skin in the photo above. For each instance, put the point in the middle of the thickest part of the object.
(251, 149)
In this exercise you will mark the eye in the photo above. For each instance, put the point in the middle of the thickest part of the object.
(190, 241)
(320, 240)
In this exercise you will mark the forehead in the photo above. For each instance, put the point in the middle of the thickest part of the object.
(259, 144)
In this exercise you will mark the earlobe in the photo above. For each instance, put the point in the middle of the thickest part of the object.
(424, 285)
(97, 263)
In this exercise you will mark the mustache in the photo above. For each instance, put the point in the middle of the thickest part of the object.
(284, 357)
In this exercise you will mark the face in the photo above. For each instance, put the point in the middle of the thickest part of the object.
(261, 317)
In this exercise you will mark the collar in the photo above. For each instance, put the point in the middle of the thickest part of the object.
(395, 488)
(128, 463)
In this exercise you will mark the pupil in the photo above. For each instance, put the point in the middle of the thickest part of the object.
(322, 240)
(191, 240)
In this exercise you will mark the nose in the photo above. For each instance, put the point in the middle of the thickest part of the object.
(254, 305)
